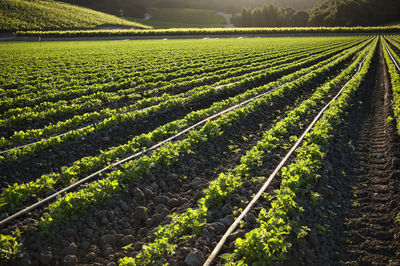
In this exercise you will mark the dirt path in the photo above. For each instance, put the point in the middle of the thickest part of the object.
(227, 17)
(147, 16)
(370, 229)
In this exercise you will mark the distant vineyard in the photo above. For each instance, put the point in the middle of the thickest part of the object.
(51, 15)
(213, 31)
(173, 138)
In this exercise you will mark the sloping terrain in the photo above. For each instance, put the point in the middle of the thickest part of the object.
(45, 15)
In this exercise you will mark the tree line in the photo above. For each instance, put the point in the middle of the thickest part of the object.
(329, 13)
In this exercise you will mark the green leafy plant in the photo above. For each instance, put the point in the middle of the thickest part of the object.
(9, 246)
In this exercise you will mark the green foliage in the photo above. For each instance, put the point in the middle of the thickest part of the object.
(9, 247)
(13, 196)
(315, 198)
(291, 75)
(154, 253)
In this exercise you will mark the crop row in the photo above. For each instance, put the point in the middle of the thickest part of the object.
(48, 109)
(394, 73)
(149, 66)
(130, 86)
(15, 195)
(176, 101)
(132, 171)
(222, 188)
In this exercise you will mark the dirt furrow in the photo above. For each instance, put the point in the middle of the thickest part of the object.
(371, 241)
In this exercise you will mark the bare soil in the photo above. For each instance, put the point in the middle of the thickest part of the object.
(371, 230)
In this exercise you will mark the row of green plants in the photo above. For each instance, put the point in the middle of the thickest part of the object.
(124, 75)
(47, 109)
(224, 186)
(88, 66)
(10, 248)
(21, 116)
(93, 75)
(17, 194)
(214, 31)
(167, 102)
(120, 83)
(269, 242)
(394, 77)
(19, 137)
(55, 93)
(97, 191)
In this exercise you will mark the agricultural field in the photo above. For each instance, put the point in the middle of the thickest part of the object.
(52, 15)
(146, 152)
(161, 18)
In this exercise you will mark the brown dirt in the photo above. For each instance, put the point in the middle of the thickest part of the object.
(370, 226)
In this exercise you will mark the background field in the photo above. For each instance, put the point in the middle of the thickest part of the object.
(182, 18)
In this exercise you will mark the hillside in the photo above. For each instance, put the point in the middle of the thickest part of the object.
(182, 18)
(45, 15)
